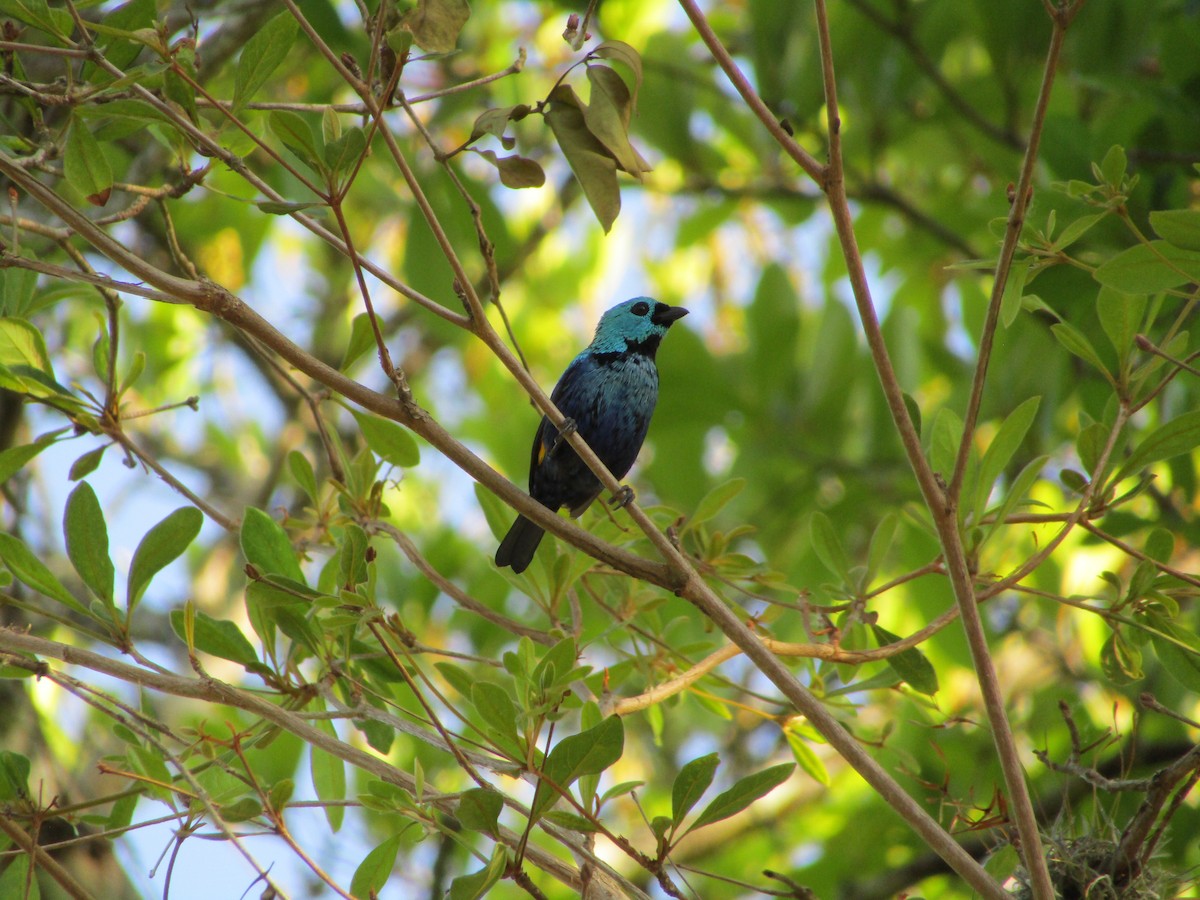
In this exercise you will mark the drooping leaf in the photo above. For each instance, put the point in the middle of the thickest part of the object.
(591, 162)
(619, 51)
(608, 113)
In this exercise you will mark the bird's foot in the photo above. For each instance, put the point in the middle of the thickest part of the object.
(622, 497)
(568, 428)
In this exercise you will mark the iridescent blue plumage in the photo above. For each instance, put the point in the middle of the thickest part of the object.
(609, 391)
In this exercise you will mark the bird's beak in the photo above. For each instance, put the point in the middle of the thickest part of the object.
(665, 315)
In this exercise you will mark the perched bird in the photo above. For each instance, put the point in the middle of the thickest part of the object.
(608, 394)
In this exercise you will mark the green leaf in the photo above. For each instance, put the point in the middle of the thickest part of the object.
(362, 339)
(715, 501)
(478, 810)
(390, 442)
(352, 557)
(56, 22)
(516, 172)
(1160, 545)
(945, 431)
(342, 154)
(1120, 660)
(261, 55)
(1149, 268)
(86, 464)
(1077, 229)
(587, 753)
(241, 810)
(828, 546)
(743, 793)
(1179, 227)
(14, 776)
(1003, 863)
(497, 709)
(495, 122)
(286, 208)
(33, 572)
(1177, 650)
(1010, 303)
(619, 51)
(375, 869)
(607, 115)
(569, 820)
(881, 543)
(1113, 166)
(1017, 491)
(87, 541)
(1077, 343)
(911, 664)
(1120, 317)
(135, 111)
(329, 778)
(294, 132)
(807, 759)
(16, 458)
(216, 637)
(591, 162)
(266, 546)
(302, 471)
(1000, 451)
(162, 545)
(914, 411)
(435, 24)
(477, 884)
(1180, 435)
(18, 880)
(21, 344)
(690, 784)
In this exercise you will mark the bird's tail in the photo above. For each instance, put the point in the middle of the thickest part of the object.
(519, 545)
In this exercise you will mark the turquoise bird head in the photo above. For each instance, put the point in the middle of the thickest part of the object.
(637, 325)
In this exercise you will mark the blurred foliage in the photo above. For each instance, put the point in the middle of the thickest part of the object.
(772, 456)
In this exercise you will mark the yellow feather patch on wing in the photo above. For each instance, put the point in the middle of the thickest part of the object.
(542, 452)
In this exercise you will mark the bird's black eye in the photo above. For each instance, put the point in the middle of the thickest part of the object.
(640, 309)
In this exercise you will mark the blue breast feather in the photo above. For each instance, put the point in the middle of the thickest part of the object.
(610, 397)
